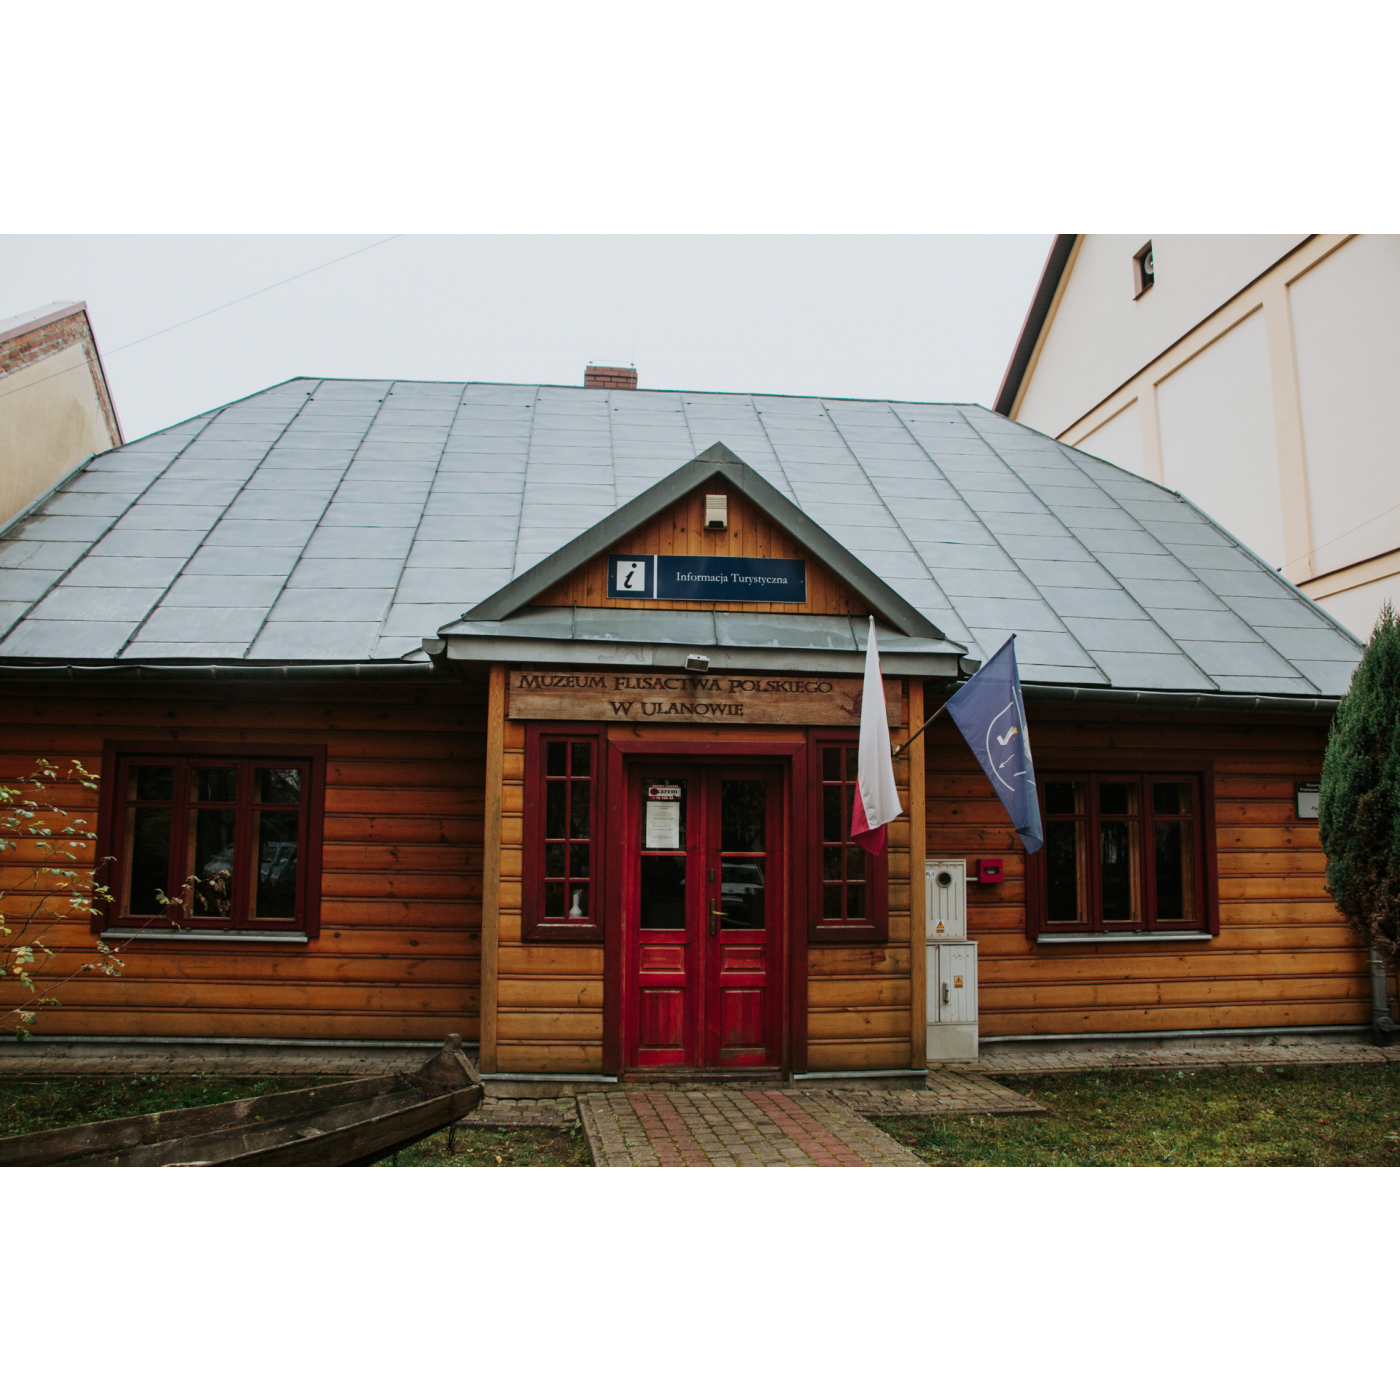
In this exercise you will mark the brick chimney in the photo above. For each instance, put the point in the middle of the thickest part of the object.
(609, 377)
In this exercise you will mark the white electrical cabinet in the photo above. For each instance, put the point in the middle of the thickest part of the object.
(945, 897)
(950, 965)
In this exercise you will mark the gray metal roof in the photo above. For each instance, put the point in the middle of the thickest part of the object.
(330, 520)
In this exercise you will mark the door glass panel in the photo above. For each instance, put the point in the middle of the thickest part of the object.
(743, 806)
(275, 839)
(662, 891)
(741, 891)
(149, 859)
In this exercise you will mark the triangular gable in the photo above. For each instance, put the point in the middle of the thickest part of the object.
(838, 581)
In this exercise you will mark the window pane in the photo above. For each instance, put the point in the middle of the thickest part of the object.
(554, 859)
(578, 860)
(1171, 799)
(214, 784)
(1064, 870)
(831, 862)
(150, 783)
(855, 862)
(282, 785)
(852, 763)
(743, 807)
(580, 800)
(663, 892)
(1118, 799)
(1118, 865)
(1064, 799)
(583, 760)
(1175, 869)
(149, 865)
(831, 902)
(556, 757)
(855, 901)
(831, 814)
(555, 795)
(275, 840)
(578, 901)
(831, 765)
(741, 893)
(554, 901)
(211, 863)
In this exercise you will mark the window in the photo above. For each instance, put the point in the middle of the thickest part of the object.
(848, 883)
(234, 836)
(1123, 854)
(1144, 277)
(562, 871)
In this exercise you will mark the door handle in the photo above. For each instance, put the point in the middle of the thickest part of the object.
(945, 994)
(714, 918)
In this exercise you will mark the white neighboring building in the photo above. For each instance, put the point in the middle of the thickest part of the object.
(1251, 373)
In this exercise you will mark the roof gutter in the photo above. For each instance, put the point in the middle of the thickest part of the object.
(1184, 700)
(225, 672)
(1046, 294)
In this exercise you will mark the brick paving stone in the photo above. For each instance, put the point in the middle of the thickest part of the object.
(720, 1127)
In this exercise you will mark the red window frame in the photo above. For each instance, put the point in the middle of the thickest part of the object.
(874, 927)
(115, 807)
(536, 925)
(1207, 917)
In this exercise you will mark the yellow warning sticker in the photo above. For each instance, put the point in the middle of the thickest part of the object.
(940, 926)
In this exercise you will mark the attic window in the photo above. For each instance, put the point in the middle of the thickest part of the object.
(1143, 274)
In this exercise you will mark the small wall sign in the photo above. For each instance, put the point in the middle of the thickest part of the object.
(707, 578)
(1307, 801)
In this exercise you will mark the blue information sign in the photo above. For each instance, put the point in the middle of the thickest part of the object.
(707, 578)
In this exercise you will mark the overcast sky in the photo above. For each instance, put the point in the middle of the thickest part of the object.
(928, 318)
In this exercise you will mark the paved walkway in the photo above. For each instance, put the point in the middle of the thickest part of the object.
(733, 1128)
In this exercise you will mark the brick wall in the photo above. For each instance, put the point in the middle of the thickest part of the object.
(609, 377)
(30, 347)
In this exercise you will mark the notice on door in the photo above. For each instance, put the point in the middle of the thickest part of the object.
(664, 824)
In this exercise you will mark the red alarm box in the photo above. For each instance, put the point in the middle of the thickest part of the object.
(988, 871)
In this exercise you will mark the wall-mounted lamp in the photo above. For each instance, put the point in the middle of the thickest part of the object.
(697, 663)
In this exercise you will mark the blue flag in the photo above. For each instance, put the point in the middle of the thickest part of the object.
(992, 716)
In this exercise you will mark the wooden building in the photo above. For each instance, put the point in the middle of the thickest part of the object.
(530, 713)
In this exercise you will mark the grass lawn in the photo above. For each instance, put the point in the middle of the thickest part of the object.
(499, 1147)
(1294, 1116)
(33, 1106)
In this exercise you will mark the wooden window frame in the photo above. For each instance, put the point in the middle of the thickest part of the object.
(1142, 768)
(534, 926)
(113, 806)
(875, 929)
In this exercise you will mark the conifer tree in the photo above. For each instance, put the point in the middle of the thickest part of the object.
(1359, 805)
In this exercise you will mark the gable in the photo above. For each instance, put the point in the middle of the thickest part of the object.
(680, 529)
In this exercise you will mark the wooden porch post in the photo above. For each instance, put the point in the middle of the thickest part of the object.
(918, 838)
(491, 864)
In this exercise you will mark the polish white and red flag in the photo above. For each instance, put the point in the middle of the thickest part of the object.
(877, 800)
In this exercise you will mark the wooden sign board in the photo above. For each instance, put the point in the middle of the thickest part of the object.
(626, 697)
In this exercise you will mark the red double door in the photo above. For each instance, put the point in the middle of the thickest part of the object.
(702, 915)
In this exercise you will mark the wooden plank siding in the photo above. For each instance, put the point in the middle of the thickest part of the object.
(398, 957)
(1284, 955)
(680, 529)
(859, 998)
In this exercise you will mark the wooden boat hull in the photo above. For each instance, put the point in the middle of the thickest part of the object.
(353, 1123)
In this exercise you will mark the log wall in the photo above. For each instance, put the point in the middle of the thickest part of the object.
(1284, 955)
(398, 957)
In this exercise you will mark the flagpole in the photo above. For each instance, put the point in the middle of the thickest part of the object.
(897, 749)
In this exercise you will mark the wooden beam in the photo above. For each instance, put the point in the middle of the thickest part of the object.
(491, 864)
(918, 820)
